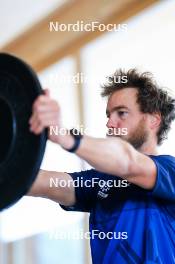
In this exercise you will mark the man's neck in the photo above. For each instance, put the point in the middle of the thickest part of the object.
(149, 148)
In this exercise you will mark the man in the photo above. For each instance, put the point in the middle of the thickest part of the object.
(133, 222)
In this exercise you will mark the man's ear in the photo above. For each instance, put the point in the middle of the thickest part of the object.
(155, 120)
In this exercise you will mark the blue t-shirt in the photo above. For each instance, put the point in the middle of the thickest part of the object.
(128, 224)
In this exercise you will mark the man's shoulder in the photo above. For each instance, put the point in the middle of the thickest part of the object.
(163, 157)
(167, 161)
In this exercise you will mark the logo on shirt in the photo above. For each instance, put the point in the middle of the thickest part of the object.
(105, 188)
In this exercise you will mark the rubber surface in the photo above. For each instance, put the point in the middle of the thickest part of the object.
(21, 152)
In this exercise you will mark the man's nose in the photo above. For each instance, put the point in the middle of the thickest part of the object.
(112, 123)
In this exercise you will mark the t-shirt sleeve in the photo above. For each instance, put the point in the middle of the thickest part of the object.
(165, 181)
(90, 186)
(86, 189)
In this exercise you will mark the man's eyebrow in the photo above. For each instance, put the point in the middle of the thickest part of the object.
(116, 108)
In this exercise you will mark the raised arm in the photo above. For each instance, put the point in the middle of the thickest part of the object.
(111, 155)
(117, 157)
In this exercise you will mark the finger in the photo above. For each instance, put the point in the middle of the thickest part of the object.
(32, 118)
(43, 105)
(44, 120)
(42, 108)
(47, 92)
(39, 129)
(41, 99)
(36, 127)
(34, 122)
(46, 117)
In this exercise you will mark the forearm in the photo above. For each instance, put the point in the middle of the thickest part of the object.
(47, 185)
(117, 157)
(110, 155)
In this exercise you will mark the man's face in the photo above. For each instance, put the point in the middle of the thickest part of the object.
(123, 112)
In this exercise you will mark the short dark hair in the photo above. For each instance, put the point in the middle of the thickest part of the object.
(150, 98)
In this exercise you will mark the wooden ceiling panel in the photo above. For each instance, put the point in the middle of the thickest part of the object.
(41, 47)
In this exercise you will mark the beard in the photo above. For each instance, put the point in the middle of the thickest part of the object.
(137, 137)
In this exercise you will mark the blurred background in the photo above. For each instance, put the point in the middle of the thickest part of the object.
(73, 65)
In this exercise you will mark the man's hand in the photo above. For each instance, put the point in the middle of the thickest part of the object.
(46, 113)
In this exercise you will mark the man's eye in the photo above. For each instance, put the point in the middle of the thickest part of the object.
(122, 113)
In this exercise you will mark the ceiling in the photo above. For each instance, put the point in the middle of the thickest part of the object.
(18, 15)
